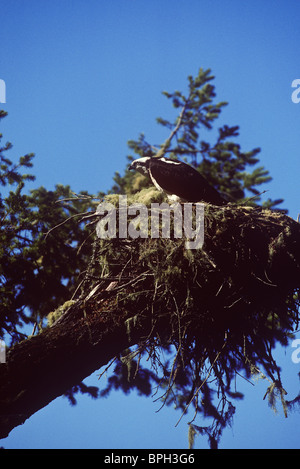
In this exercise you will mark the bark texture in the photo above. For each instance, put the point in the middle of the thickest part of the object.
(45, 366)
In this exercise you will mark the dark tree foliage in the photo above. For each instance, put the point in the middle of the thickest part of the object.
(38, 272)
(208, 315)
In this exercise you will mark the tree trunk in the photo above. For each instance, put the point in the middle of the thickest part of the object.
(45, 366)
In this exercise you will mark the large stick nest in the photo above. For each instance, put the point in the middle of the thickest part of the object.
(224, 307)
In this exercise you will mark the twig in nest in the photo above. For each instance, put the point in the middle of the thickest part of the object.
(252, 198)
(79, 197)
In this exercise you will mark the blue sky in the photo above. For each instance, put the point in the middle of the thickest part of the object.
(84, 77)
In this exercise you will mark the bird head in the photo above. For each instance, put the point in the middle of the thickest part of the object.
(141, 165)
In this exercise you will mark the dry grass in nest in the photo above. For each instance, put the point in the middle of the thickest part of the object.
(223, 307)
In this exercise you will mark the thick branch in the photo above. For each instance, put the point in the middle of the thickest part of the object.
(45, 366)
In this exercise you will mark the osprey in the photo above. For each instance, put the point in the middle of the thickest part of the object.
(180, 181)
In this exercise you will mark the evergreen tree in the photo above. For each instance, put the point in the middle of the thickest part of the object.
(38, 272)
(215, 312)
